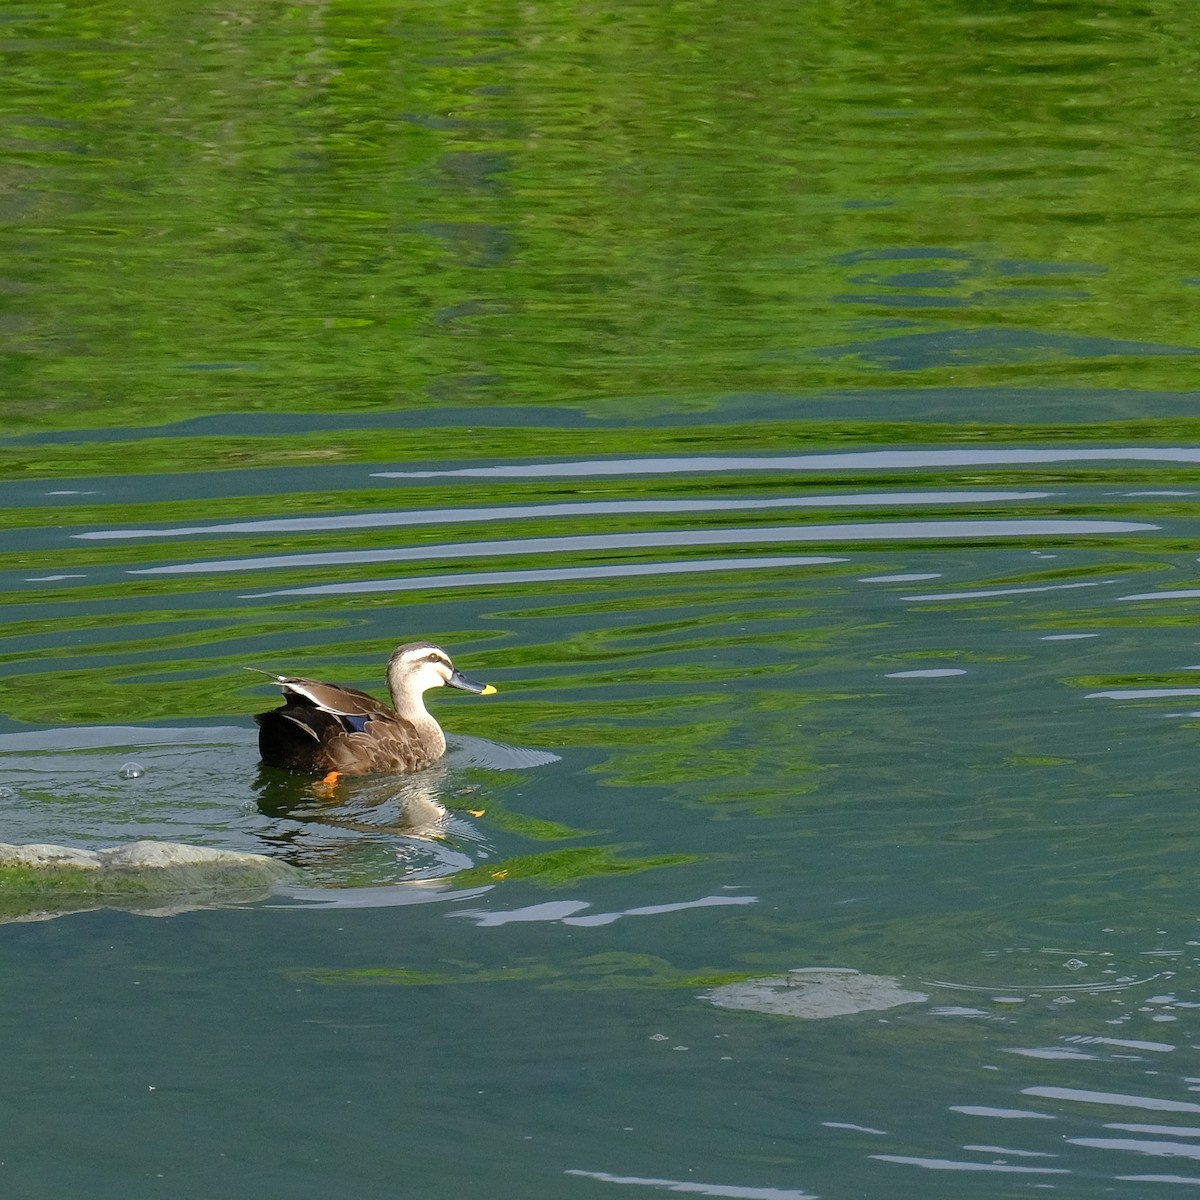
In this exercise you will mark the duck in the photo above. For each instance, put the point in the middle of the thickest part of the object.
(331, 730)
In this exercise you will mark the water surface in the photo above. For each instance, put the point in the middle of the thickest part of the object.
(792, 414)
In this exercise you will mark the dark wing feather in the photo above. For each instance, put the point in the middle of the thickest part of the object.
(293, 737)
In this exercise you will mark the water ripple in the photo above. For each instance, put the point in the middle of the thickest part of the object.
(477, 579)
(732, 1191)
(514, 512)
(867, 531)
(862, 460)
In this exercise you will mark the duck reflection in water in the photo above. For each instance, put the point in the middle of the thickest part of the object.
(410, 806)
(370, 831)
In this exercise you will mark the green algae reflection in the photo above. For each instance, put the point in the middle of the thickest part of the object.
(522, 825)
(588, 972)
(559, 868)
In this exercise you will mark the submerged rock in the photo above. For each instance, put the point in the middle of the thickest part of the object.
(813, 993)
(40, 881)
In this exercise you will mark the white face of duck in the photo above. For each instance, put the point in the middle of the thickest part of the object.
(419, 666)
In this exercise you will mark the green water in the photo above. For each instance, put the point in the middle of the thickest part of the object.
(790, 409)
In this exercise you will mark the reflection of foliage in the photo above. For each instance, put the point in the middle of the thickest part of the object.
(180, 454)
(577, 208)
(593, 971)
(1182, 681)
(559, 868)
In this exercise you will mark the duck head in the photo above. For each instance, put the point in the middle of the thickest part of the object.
(416, 667)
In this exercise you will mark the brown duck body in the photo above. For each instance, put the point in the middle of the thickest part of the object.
(326, 727)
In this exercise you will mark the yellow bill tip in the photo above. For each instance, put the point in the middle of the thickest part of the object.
(488, 690)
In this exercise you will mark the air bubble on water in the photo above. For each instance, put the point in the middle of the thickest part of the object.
(132, 770)
(7, 793)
